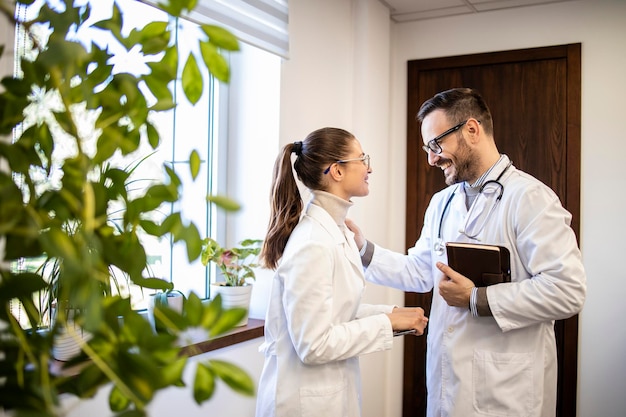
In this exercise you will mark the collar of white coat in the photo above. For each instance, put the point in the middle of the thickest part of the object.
(329, 210)
(323, 217)
(336, 206)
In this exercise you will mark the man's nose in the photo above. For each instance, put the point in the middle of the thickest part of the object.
(433, 158)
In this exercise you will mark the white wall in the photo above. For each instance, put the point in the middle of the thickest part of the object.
(338, 75)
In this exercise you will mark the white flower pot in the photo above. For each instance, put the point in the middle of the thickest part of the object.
(234, 297)
(67, 343)
(173, 299)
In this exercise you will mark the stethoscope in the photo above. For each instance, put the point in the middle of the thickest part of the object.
(439, 247)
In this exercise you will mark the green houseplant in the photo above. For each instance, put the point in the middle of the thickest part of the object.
(236, 265)
(123, 352)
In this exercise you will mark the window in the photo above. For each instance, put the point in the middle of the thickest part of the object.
(236, 156)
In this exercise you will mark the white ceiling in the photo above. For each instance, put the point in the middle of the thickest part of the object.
(409, 10)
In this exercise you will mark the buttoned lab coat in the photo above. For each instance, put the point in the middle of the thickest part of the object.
(316, 326)
(505, 365)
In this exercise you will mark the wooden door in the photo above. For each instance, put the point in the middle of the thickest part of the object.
(534, 97)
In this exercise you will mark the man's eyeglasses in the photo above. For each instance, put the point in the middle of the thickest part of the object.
(433, 144)
(365, 159)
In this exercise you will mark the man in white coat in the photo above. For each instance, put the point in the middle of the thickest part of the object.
(491, 350)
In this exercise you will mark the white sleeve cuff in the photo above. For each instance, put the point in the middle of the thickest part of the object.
(473, 298)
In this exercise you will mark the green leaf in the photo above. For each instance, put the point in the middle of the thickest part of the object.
(151, 227)
(64, 119)
(140, 373)
(224, 202)
(161, 193)
(233, 376)
(12, 208)
(111, 139)
(124, 251)
(166, 317)
(211, 312)
(117, 400)
(46, 143)
(216, 63)
(114, 25)
(21, 156)
(221, 37)
(59, 244)
(162, 92)
(227, 320)
(154, 37)
(174, 179)
(192, 80)
(132, 413)
(194, 163)
(191, 236)
(153, 135)
(62, 55)
(99, 72)
(91, 377)
(172, 224)
(204, 384)
(153, 283)
(21, 285)
(164, 70)
(194, 310)
(11, 108)
(173, 372)
(16, 86)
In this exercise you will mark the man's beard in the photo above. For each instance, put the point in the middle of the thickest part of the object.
(465, 165)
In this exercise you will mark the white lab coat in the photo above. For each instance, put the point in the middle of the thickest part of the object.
(504, 365)
(316, 326)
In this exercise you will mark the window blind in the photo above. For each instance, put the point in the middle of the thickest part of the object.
(262, 23)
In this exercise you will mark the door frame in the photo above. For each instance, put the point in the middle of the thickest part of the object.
(414, 384)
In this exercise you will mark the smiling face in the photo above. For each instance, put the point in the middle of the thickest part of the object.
(357, 172)
(458, 160)
(350, 175)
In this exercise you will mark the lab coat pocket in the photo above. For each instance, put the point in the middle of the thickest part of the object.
(324, 401)
(503, 384)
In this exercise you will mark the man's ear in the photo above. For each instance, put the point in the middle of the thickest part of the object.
(473, 130)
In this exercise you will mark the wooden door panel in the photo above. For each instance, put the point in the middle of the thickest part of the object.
(534, 97)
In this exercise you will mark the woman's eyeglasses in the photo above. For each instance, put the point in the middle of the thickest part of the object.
(365, 159)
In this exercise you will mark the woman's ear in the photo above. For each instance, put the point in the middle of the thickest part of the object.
(336, 172)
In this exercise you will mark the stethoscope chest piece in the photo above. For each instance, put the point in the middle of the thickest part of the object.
(439, 247)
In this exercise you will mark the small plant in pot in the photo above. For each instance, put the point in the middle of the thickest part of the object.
(236, 263)
(237, 267)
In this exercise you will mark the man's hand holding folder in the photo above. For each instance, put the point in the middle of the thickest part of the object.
(472, 265)
(483, 264)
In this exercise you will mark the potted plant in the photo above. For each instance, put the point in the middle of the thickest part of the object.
(67, 221)
(236, 265)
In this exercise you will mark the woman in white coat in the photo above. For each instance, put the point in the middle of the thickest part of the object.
(316, 326)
